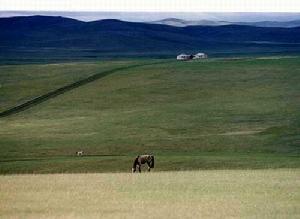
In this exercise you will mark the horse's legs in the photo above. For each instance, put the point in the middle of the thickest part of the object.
(148, 167)
(139, 168)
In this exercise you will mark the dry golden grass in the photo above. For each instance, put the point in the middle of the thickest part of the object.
(191, 194)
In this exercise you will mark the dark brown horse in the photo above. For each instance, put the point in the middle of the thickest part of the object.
(142, 159)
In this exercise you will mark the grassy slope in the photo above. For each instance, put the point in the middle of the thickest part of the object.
(190, 194)
(20, 83)
(212, 114)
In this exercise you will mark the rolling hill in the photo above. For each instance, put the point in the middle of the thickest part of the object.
(212, 114)
(47, 36)
(287, 24)
(183, 23)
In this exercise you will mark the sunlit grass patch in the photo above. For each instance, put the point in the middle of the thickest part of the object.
(187, 194)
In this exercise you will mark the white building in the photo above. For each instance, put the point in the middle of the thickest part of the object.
(200, 55)
(184, 57)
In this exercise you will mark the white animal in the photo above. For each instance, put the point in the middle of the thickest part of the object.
(79, 153)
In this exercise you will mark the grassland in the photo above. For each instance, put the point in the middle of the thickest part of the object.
(187, 194)
(214, 114)
(20, 83)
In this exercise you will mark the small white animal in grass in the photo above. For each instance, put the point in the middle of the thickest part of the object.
(79, 153)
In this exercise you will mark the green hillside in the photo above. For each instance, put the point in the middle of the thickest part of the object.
(211, 114)
(20, 83)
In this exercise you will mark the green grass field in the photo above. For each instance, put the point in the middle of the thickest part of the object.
(212, 114)
(182, 194)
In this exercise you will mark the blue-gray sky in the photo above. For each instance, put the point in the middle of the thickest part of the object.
(153, 5)
(153, 16)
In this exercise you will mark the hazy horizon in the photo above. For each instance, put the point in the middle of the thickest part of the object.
(153, 16)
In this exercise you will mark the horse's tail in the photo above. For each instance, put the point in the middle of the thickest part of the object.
(152, 163)
(135, 162)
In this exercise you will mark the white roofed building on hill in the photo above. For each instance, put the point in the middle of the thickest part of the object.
(200, 55)
(184, 57)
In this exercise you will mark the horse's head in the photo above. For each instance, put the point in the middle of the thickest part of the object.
(135, 163)
(152, 161)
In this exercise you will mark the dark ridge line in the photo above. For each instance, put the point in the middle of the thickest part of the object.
(69, 87)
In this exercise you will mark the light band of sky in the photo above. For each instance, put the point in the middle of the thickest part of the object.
(153, 5)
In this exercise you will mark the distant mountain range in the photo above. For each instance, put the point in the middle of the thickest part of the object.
(183, 23)
(45, 36)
